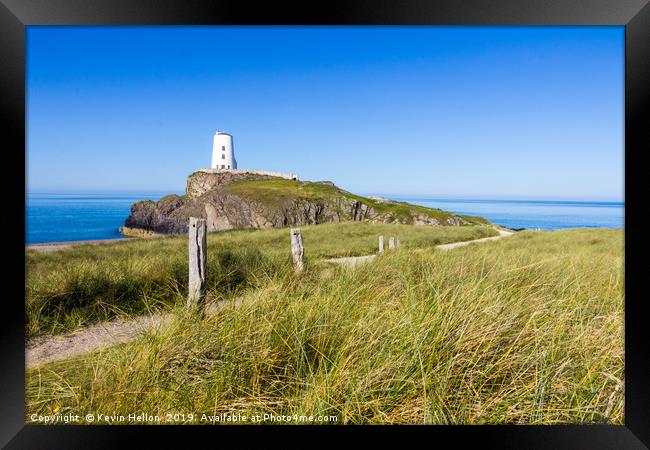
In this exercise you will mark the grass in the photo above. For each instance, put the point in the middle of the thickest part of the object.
(278, 189)
(527, 329)
(275, 191)
(75, 287)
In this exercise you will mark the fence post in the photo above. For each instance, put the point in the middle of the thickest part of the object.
(391, 243)
(397, 243)
(297, 250)
(381, 244)
(197, 236)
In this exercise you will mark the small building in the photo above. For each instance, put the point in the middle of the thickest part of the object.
(223, 160)
(223, 152)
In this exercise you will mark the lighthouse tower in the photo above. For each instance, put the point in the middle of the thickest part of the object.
(223, 153)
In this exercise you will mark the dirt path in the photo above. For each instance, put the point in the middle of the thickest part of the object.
(44, 349)
(354, 261)
(502, 234)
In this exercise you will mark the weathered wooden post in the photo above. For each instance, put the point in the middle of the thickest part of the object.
(381, 244)
(297, 250)
(397, 243)
(391, 243)
(197, 251)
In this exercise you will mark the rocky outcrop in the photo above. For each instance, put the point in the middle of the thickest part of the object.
(201, 182)
(243, 200)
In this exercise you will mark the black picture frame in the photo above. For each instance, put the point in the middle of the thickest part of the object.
(15, 15)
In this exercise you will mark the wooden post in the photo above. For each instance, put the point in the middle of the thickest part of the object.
(197, 252)
(397, 242)
(381, 244)
(297, 250)
(391, 243)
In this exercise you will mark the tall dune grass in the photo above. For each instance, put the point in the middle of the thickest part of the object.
(527, 329)
(70, 288)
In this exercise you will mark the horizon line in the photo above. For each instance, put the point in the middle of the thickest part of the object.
(431, 197)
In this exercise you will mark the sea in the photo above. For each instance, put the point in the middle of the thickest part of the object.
(534, 214)
(52, 217)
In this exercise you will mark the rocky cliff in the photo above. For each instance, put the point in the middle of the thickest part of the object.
(240, 200)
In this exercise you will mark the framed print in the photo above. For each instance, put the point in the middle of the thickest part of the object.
(358, 213)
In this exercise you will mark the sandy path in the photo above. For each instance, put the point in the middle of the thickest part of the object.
(354, 261)
(502, 234)
(44, 349)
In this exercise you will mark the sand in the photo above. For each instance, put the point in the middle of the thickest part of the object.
(47, 246)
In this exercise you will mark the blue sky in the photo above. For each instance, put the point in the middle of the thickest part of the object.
(478, 112)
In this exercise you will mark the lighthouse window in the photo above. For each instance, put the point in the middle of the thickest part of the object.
(223, 148)
(223, 156)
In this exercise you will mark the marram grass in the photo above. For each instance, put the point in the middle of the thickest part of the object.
(75, 287)
(524, 330)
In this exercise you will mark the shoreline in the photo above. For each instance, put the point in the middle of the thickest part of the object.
(45, 246)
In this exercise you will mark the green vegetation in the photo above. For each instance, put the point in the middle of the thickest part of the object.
(527, 329)
(75, 287)
(276, 190)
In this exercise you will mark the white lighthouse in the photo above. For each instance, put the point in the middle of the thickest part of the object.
(223, 153)
(223, 159)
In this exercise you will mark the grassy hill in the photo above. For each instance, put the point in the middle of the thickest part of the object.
(243, 200)
(278, 190)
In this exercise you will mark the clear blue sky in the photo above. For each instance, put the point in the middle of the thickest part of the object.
(509, 112)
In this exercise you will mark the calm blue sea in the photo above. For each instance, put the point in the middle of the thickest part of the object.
(531, 214)
(74, 217)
